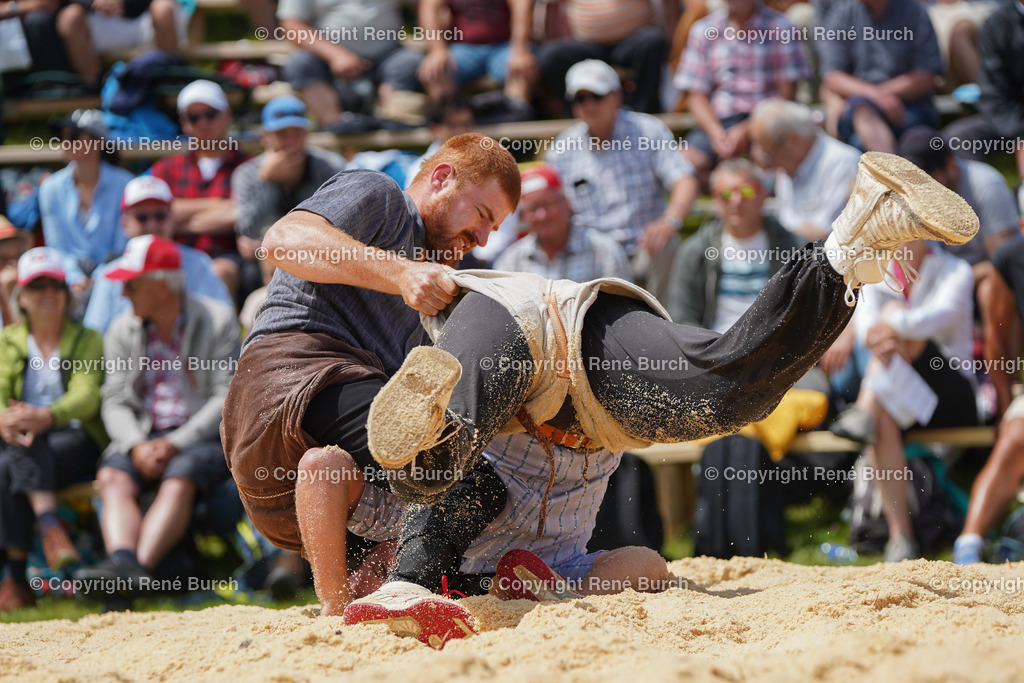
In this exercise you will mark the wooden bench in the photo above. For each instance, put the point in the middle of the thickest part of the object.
(269, 50)
(676, 485)
(416, 138)
(27, 110)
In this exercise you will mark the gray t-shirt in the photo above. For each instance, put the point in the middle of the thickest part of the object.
(370, 28)
(902, 40)
(985, 190)
(259, 203)
(369, 207)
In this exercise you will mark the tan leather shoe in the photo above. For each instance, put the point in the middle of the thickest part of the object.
(14, 595)
(58, 549)
(893, 202)
(408, 415)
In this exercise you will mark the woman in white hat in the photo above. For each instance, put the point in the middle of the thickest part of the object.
(51, 434)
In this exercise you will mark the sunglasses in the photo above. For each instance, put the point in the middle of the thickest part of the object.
(581, 97)
(135, 283)
(158, 216)
(745, 191)
(208, 114)
(44, 283)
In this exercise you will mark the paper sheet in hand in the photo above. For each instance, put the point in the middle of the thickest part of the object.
(902, 392)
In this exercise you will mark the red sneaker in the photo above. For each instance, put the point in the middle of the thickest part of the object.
(412, 611)
(521, 575)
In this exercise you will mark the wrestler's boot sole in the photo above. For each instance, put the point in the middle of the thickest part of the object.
(893, 202)
(941, 213)
(408, 415)
(411, 611)
(521, 575)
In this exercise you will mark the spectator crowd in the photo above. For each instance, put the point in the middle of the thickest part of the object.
(125, 297)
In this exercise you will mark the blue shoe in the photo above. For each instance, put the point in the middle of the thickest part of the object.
(967, 550)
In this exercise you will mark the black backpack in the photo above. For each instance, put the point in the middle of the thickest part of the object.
(738, 512)
(935, 519)
(629, 512)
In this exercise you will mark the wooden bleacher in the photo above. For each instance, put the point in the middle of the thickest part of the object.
(418, 138)
(677, 495)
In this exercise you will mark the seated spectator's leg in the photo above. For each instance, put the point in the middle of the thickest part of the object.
(998, 313)
(1009, 263)
(632, 567)
(964, 60)
(229, 271)
(324, 502)
(260, 13)
(554, 60)
(121, 517)
(1020, 174)
(886, 457)
(163, 14)
(835, 105)
(920, 113)
(45, 43)
(699, 152)
(518, 87)
(73, 27)
(397, 72)
(643, 53)
(16, 520)
(56, 458)
(312, 79)
(197, 470)
(997, 483)
(166, 520)
(870, 126)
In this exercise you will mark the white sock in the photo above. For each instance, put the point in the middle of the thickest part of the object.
(1020, 198)
(973, 541)
(835, 253)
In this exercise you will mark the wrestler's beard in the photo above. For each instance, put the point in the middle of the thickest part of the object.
(435, 220)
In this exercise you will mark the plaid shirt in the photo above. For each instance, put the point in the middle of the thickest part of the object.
(619, 188)
(160, 383)
(181, 172)
(737, 74)
(588, 255)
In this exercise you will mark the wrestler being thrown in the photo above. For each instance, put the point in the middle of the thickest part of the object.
(600, 365)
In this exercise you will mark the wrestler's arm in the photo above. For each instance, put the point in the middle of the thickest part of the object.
(309, 247)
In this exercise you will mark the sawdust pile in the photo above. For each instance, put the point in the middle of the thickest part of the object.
(742, 619)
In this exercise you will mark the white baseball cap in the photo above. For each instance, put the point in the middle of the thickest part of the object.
(591, 75)
(145, 187)
(202, 92)
(40, 262)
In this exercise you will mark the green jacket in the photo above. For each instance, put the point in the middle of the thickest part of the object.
(81, 400)
(693, 287)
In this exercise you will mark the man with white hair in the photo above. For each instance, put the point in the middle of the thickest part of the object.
(172, 359)
(814, 172)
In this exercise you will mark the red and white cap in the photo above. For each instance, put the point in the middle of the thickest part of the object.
(145, 187)
(40, 262)
(145, 254)
(539, 177)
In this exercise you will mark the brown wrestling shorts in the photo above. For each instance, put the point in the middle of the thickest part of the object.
(262, 431)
